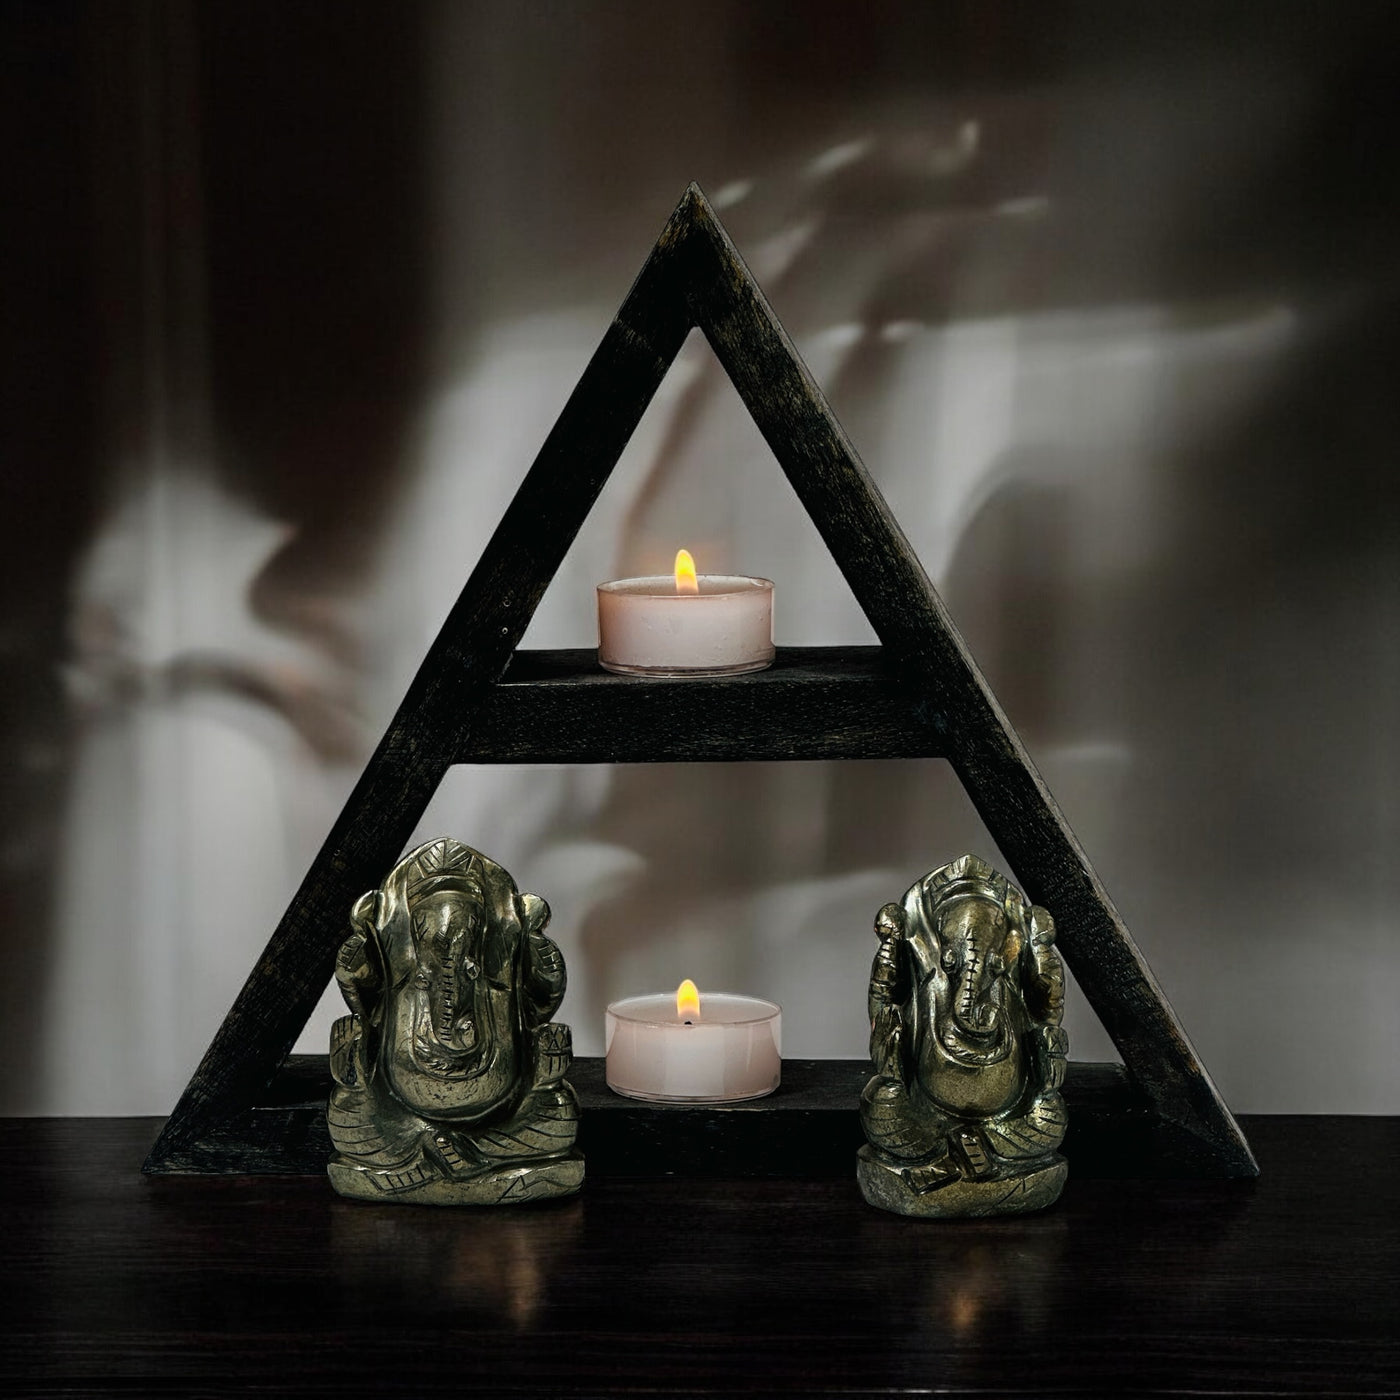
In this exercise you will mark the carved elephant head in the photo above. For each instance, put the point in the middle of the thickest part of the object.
(437, 980)
(978, 951)
(967, 933)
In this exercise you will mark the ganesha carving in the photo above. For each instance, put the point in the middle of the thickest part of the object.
(964, 1114)
(449, 1074)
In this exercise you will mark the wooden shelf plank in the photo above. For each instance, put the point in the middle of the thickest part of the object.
(813, 702)
(808, 1130)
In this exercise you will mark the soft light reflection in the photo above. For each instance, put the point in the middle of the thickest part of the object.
(500, 1265)
(964, 1307)
(837, 157)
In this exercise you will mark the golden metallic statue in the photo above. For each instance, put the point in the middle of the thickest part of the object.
(967, 993)
(449, 1075)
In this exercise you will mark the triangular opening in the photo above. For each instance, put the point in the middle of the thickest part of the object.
(920, 695)
(697, 473)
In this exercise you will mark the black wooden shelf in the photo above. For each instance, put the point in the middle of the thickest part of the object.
(809, 1130)
(813, 702)
(477, 700)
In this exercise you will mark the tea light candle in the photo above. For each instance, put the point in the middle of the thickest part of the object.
(687, 624)
(719, 1048)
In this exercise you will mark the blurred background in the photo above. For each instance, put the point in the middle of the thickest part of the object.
(1107, 296)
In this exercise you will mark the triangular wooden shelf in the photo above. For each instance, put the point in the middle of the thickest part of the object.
(475, 700)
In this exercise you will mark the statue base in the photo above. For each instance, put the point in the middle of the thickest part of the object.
(962, 1198)
(512, 1183)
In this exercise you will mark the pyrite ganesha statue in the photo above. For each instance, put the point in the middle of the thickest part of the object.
(964, 1115)
(449, 1073)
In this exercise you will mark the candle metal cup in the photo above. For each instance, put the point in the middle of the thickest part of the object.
(729, 1052)
(646, 627)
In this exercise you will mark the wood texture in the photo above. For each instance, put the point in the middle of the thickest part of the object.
(453, 710)
(124, 1285)
(809, 1130)
(814, 702)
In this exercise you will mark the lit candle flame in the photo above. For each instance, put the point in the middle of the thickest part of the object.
(688, 1001)
(686, 582)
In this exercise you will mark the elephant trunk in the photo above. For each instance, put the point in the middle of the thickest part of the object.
(444, 997)
(448, 991)
(976, 1004)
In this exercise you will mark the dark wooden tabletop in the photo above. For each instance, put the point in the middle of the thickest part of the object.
(121, 1284)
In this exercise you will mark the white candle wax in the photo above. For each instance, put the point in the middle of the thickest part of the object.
(647, 627)
(730, 1051)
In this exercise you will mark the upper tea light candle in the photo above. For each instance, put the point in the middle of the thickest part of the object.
(686, 624)
(719, 1048)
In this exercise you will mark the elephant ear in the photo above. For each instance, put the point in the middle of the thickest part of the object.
(534, 913)
(545, 977)
(1014, 946)
(922, 943)
(1046, 981)
(359, 966)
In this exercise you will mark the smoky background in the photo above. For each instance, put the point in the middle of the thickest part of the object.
(1108, 298)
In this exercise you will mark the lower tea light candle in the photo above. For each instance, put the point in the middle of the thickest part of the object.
(719, 1048)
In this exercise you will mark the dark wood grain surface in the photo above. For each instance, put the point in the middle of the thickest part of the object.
(813, 702)
(122, 1284)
